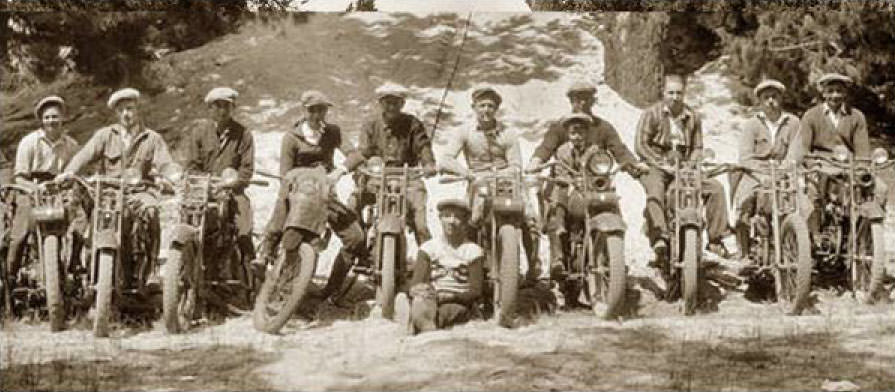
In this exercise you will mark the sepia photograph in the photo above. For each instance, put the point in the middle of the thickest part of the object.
(447, 195)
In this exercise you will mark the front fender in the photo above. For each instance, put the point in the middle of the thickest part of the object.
(183, 234)
(390, 225)
(689, 217)
(871, 210)
(106, 240)
(608, 222)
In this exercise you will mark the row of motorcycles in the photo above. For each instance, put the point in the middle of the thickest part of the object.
(844, 246)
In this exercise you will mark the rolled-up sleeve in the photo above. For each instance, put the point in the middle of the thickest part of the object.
(453, 144)
(24, 157)
(88, 153)
(365, 147)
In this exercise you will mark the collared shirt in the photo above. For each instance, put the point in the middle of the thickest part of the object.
(834, 115)
(497, 146)
(761, 140)
(107, 147)
(655, 132)
(210, 150)
(402, 140)
(311, 135)
(677, 123)
(772, 126)
(600, 133)
(297, 151)
(38, 154)
(817, 133)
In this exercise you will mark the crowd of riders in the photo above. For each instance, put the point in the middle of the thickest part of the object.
(448, 280)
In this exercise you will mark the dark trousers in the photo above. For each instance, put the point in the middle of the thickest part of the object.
(655, 185)
(416, 217)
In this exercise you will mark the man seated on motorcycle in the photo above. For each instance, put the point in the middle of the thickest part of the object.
(221, 143)
(671, 127)
(41, 155)
(128, 145)
(489, 143)
(448, 276)
(766, 136)
(397, 138)
(312, 142)
(830, 125)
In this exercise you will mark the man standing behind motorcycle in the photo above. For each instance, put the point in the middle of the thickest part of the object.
(128, 144)
(312, 142)
(41, 155)
(830, 124)
(224, 143)
(489, 143)
(397, 138)
(766, 136)
(582, 97)
(668, 126)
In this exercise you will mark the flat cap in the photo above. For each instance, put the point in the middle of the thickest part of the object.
(125, 93)
(314, 98)
(581, 86)
(830, 77)
(483, 92)
(46, 101)
(221, 94)
(570, 118)
(391, 90)
(769, 83)
(454, 203)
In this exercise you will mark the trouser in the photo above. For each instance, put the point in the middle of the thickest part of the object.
(655, 183)
(416, 200)
(426, 314)
(244, 227)
(342, 221)
(142, 236)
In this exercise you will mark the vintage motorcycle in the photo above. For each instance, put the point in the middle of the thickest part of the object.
(684, 204)
(386, 221)
(778, 238)
(501, 234)
(596, 233)
(850, 244)
(287, 281)
(203, 248)
(123, 252)
(47, 285)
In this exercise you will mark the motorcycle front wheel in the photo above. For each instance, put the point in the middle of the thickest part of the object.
(793, 275)
(52, 283)
(509, 274)
(388, 285)
(607, 278)
(178, 298)
(284, 288)
(690, 275)
(104, 292)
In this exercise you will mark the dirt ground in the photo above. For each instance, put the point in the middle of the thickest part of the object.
(530, 59)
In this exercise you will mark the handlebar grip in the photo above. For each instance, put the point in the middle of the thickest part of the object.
(450, 180)
(259, 182)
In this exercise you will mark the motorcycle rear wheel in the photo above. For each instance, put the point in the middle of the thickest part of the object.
(284, 289)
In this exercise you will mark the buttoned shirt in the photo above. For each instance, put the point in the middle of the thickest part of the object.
(402, 140)
(113, 155)
(600, 133)
(818, 133)
(297, 151)
(497, 146)
(38, 154)
(656, 135)
(211, 149)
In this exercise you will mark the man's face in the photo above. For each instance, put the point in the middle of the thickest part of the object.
(577, 130)
(316, 113)
(834, 94)
(770, 99)
(221, 110)
(452, 220)
(128, 113)
(485, 110)
(51, 119)
(674, 93)
(582, 101)
(391, 106)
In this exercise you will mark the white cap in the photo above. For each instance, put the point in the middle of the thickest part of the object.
(221, 94)
(125, 93)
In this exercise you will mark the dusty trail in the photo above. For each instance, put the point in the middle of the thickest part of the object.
(740, 346)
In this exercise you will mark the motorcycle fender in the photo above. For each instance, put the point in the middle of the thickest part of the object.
(183, 234)
(871, 210)
(608, 222)
(390, 225)
(506, 206)
(689, 217)
(106, 240)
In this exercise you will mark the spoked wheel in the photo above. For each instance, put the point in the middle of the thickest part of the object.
(284, 288)
(871, 255)
(606, 282)
(793, 275)
(104, 292)
(508, 286)
(179, 293)
(388, 285)
(53, 283)
(690, 270)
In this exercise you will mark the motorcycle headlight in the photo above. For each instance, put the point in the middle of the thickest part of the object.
(600, 163)
(840, 153)
(173, 173)
(880, 156)
(482, 190)
(708, 155)
(375, 165)
(229, 177)
(132, 177)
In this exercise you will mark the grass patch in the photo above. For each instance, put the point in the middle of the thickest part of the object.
(218, 368)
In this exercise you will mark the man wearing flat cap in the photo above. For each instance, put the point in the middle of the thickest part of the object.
(489, 143)
(128, 145)
(448, 275)
(767, 135)
(397, 138)
(218, 143)
(671, 127)
(312, 142)
(41, 155)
